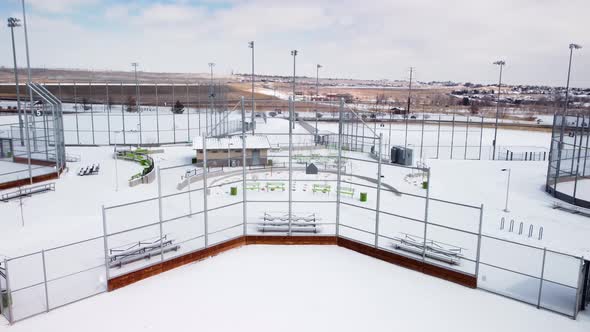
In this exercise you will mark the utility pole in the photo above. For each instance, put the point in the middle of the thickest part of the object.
(251, 45)
(500, 63)
(294, 54)
(13, 23)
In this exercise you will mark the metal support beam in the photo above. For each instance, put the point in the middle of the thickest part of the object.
(205, 189)
(378, 203)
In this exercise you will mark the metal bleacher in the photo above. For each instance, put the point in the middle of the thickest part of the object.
(27, 191)
(435, 250)
(144, 249)
(280, 223)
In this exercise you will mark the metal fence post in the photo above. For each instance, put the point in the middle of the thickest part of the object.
(426, 213)
(108, 111)
(422, 138)
(75, 113)
(378, 203)
(45, 281)
(8, 293)
(138, 101)
(190, 203)
(159, 179)
(580, 288)
(188, 116)
(478, 253)
(205, 214)
(291, 111)
(105, 242)
(438, 138)
(157, 115)
(339, 165)
(91, 111)
(480, 138)
(466, 137)
(198, 108)
(541, 280)
(123, 114)
(244, 197)
(173, 116)
(452, 135)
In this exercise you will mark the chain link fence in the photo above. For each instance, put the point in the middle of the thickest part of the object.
(347, 194)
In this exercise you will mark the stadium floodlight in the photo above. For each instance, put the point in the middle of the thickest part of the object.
(13, 23)
(294, 54)
(572, 47)
(501, 64)
(507, 188)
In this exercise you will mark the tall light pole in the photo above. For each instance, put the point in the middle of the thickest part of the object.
(507, 188)
(569, 69)
(501, 64)
(27, 135)
(116, 158)
(317, 94)
(572, 47)
(211, 95)
(408, 108)
(317, 80)
(13, 23)
(251, 45)
(135, 64)
(294, 54)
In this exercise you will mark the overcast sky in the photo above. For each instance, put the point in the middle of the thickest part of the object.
(372, 39)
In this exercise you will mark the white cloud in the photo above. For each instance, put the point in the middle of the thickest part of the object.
(454, 39)
(59, 6)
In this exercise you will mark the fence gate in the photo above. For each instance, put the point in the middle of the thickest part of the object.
(6, 149)
(4, 297)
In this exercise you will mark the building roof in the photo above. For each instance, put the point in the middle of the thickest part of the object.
(234, 142)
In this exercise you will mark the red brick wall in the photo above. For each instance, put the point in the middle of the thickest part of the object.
(26, 181)
(435, 271)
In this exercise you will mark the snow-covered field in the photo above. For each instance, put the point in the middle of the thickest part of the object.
(73, 212)
(294, 288)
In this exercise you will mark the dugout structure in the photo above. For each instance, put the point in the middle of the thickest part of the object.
(569, 167)
(33, 150)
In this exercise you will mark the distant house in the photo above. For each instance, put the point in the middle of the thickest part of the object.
(311, 169)
(228, 151)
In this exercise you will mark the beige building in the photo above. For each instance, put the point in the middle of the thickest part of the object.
(228, 151)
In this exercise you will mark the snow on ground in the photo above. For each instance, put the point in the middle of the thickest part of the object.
(73, 211)
(297, 288)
